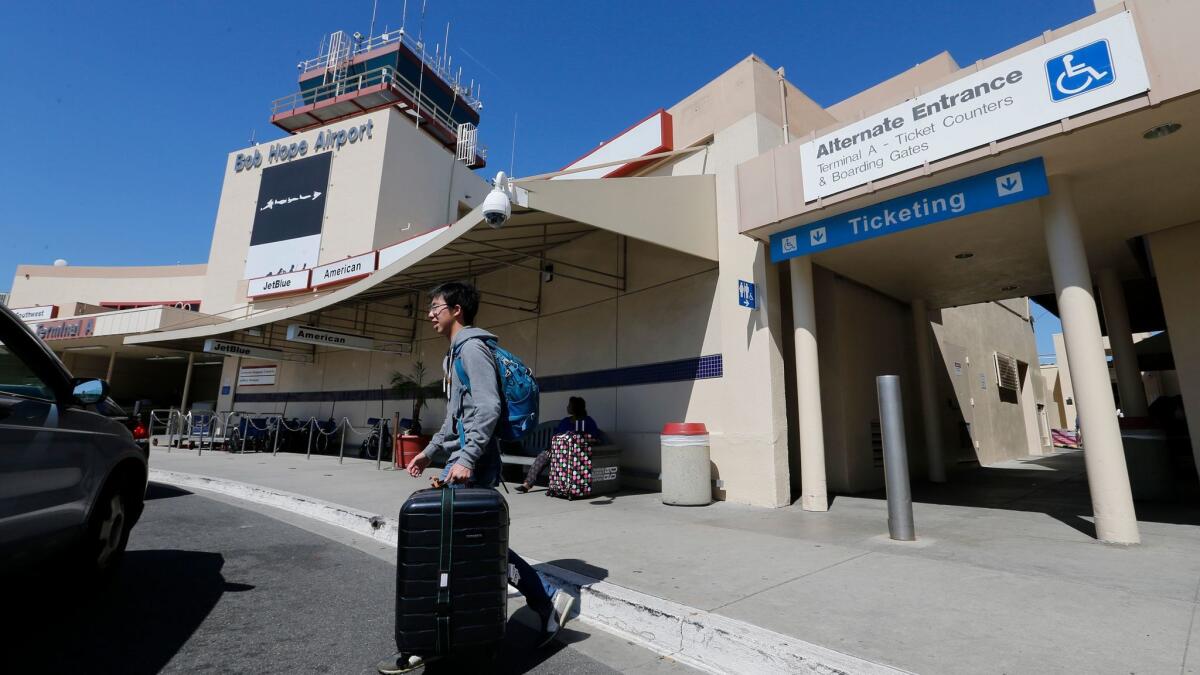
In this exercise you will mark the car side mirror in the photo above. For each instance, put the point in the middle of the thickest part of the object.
(89, 391)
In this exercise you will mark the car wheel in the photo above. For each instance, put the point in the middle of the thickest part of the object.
(108, 532)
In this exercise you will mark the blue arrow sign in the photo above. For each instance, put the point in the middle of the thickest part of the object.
(1000, 187)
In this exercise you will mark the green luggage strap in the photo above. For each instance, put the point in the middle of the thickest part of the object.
(442, 610)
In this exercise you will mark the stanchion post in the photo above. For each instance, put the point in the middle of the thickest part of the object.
(379, 444)
(275, 443)
(395, 439)
(312, 423)
(895, 459)
(249, 423)
(342, 449)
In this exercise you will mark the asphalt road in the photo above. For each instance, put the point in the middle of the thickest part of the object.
(210, 586)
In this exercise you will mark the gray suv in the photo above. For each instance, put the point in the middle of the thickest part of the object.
(72, 480)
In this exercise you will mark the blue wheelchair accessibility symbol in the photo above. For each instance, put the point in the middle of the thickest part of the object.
(1082, 70)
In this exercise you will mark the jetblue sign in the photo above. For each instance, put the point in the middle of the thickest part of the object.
(1087, 69)
(1001, 187)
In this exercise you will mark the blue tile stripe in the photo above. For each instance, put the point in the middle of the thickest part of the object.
(683, 370)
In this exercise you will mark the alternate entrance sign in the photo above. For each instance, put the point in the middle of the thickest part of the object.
(1090, 68)
(1000, 187)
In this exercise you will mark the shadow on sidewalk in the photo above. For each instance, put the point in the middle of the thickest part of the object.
(521, 653)
(1055, 485)
(135, 624)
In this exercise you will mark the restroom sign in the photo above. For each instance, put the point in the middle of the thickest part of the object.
(747, 297)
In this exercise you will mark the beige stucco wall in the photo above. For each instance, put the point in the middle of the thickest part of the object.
(35, 285)
(1003, 426)
(861, 334)
(1174, 255)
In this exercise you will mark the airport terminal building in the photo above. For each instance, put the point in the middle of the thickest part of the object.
(743, 258)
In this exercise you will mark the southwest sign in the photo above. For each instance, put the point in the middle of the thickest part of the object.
(1000, 187)
(41, 313)
(1092, 67)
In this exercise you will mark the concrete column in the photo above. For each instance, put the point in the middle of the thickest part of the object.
(808, 388)
(926, 372)
(112, 362)
(187, 381)
(1120, 338)
(1104, 456)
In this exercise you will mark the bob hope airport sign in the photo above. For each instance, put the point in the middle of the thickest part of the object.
(1097, 65)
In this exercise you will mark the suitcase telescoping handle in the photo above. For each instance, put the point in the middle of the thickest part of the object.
(445, 560)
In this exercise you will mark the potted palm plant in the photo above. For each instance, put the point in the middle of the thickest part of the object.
(412, 386)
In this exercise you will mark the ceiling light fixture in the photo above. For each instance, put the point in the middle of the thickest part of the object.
(1162, 130)
(964, 255)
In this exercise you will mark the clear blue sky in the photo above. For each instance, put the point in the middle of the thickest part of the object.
(119, 115)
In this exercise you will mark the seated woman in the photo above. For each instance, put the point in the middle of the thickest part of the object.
(577, 420)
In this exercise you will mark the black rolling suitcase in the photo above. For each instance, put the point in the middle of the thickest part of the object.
(452, 573)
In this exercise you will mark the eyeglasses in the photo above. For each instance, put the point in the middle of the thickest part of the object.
(437, 309)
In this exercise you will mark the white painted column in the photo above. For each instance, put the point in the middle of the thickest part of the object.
(808, 388)
(926, 374)
(1120, 338)
(112, 362)
(187, 382)
(1104, 456)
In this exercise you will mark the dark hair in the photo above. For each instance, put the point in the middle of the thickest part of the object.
(578, 405)
(459, 294)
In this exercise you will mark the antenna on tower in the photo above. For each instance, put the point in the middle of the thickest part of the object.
(421, 65)
(404, 16)
(446, 47)
(371, 30)
(513, 159)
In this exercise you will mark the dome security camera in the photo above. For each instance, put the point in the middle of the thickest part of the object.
(497, 206)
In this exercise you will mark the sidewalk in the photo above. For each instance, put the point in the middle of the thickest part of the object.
(1015, 585)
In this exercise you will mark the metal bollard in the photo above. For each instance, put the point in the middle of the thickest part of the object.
(275, 443)
(312, 422)
(895, 459)
(379, 444)
(342, 449)
(249, 423)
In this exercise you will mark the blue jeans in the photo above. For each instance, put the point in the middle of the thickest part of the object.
(537, 591)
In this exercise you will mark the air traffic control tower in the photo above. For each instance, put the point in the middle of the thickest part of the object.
(355, 74)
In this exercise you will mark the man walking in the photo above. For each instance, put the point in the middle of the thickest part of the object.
(472, 413)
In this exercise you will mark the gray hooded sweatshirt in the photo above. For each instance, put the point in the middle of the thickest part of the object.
(477, 409)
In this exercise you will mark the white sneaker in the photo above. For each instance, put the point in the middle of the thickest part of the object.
(401, 663)
(563, 604)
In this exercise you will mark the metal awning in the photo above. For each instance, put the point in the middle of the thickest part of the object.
(674, 212)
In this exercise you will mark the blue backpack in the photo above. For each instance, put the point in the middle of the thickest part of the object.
(519, 392)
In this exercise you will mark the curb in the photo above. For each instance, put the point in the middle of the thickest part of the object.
(699, 639)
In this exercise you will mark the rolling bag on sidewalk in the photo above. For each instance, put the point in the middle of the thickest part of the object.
(452, 573)
(570, 466)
